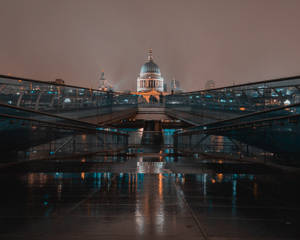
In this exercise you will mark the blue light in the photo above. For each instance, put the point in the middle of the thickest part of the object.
(169, 130)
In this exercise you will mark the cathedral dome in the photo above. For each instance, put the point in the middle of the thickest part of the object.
(150, 67)
(150, 77)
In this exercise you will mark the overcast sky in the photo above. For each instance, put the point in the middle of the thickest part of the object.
(228, 41)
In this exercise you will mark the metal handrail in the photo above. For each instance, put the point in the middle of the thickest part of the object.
(241, 85)
(50, 115)
(63, 125)
(245, 116)
(56, 84)
(61, 146)
(206, 131)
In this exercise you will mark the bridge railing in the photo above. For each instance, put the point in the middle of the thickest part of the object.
(231, 101)
(57, 98)
(46, 135)
(274, 113)
(35, 113)
(273, 132)
(81, 144)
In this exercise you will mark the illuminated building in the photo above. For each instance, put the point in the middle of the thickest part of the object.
(150, 83)
(150, 77)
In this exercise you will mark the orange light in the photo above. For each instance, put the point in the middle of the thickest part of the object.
(220, 177)
(213, 181)
(160, 185)
(242, 108)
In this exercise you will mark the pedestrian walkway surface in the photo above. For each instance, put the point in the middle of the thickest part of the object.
(146, 197)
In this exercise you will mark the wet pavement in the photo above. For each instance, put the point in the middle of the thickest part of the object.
(149, 196)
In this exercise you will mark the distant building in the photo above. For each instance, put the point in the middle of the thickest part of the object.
(150, 83)
(210, 84)
(165, 87)
(150, 77)
(58, 81)
(175, 86)
(104, 85)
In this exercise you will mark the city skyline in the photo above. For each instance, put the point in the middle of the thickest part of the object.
(194, 41)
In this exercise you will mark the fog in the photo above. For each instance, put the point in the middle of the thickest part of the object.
(228, 41)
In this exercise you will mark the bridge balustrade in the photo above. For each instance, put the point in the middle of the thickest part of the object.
(232, 101)
(35, 113)
(58, 98)
(46, 135)
(273, 132)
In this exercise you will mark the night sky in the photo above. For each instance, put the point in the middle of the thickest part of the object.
(228, 41)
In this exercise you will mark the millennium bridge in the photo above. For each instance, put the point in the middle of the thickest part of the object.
(256, 119)
(91, 163)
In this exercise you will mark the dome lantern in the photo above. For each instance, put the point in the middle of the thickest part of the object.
(150, 66)
(150, 57)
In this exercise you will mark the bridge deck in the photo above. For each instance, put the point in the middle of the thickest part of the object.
(151, 114)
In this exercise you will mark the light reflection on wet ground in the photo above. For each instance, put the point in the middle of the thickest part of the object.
(148, 197)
